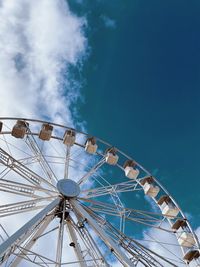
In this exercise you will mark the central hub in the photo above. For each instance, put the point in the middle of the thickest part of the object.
(68, 188)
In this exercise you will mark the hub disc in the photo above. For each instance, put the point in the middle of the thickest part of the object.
(68, 188)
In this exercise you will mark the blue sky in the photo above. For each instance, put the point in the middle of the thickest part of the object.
(141, 87)
(125, 71)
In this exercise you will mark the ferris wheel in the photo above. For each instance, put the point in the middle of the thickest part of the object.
(71, 199)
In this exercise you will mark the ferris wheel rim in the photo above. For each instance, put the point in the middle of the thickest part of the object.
(107, 144)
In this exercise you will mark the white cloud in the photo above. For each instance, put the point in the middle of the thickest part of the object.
(40, 40)
(198, 232)
(108, 22)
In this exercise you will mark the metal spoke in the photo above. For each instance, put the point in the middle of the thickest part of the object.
(24, 250)
(10, 244)
(92, 247)
(35, 258)
(151, 219)
(94, 217)
(117, 188)
(76, 245)
(14, 146)
(92, 171)
(17, 189)
(19, 207)
(66, 170)
(31, 142)
(107, 240)
(22, 189)
(60, 237)
(7, 144)
(4, 172)
(22, 170)
(28, 160)
(43, 261)
(136, 249)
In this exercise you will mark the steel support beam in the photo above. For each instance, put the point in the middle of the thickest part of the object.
(9, 244)
(60, 238)
(66, 170)
(107, 240)
(31, 142)
(16, 166)
(77, 248)
(24, 250)
(92, 171)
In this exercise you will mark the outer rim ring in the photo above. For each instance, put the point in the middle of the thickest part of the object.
(109, 145)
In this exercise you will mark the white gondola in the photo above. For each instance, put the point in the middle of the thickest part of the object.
(20, 128)
(80, 193)
(130, 169)
(149, 188)
(180, 225)
(167, 207)
(191, 255)
(91, 146)
(69, 137)
(131, 173)
(46, 132)
(185, 237)
(111, 156)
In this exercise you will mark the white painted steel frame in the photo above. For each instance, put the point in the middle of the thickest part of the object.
(24, 250)
(36, 180)
(30, 140)
(9, 244)
(77, 247)
(109, 242)
(60, 236)
(92, 247)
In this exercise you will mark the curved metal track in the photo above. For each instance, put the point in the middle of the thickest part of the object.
(121, 215)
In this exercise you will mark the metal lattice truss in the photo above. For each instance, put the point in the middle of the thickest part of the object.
(67, 202)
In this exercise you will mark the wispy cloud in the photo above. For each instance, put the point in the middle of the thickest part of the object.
(108, 22)
(40, 41)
